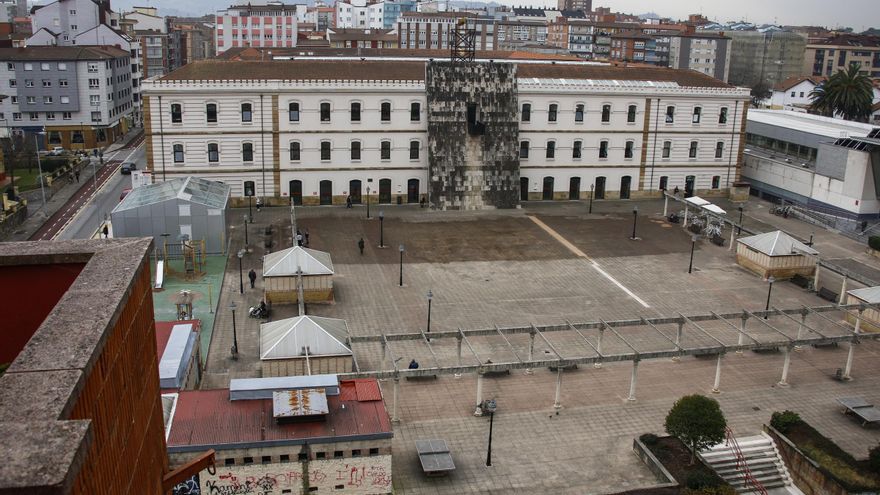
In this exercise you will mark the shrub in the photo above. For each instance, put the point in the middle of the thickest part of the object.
(700, 479)
(874, 242)
(697, 421)
(649, 439)
(783, 421)
(874, 459)
(710, 490)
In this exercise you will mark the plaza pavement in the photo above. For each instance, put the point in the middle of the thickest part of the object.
(501, 268)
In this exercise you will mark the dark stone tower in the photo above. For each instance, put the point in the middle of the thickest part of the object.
(473, 135)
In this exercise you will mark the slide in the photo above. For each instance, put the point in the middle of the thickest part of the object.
(160, 274)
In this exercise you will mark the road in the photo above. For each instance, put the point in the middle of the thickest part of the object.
(84, 212)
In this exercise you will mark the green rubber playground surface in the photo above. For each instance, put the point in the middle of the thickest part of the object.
(205, 288)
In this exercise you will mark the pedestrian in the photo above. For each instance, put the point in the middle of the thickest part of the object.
(259, 204)
(361, 245)
(299, 238)
(106, 232)
(252, 275)
(422, 202)
(413, 365)
(76, 174)
(348, 201)
(306, 235)
(675, 191)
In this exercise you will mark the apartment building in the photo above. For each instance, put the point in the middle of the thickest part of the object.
(393, 9)
(432, 31)
(825, 57)
(80, 96)
(704, 52)
(150, 32)
(360, 14)
(318, 131)
(633, 46)
(767, 58)
(584, 5)
(268, 25)
(361, 38)
(189, 40)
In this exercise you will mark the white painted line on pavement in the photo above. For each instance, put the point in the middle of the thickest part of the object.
(574, 249)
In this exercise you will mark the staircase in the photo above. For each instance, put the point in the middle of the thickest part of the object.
(751, 465)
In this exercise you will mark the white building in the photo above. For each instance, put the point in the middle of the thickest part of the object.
(360, 14)
(433, 31)
(318, 131)
(704, 52)
(794, 93)
(271, 24)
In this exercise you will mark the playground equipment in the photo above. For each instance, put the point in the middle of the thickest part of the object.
(192, 252)
(183, 301)
(160, 274)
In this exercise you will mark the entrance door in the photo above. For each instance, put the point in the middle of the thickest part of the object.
(385, 191)
(548, 189)
(354, 190)
(689, 182)
(296, 192)
(574, 188)
(326, 191)
(523, 188)
(600, 188)
(412, 191)
(625, 182)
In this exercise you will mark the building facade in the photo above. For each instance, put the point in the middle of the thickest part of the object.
(80, 96)
(317, 132)
(767, 58)
(826, 57)
(269, 25)
(360, 14)
(708, 53)
(433, 31)
(189, 40)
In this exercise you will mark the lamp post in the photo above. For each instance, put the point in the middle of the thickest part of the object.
(368, 202)
(811, 240)
(490, 406)
(591, 199)
(635, 216)
(381, 229)
(234, 334)
(401, 264)
(40, 167)
(240, 277)
(694, 239)
(770, 279)
(739, 227)
(250, 208)
(430, 297)
(246, 243)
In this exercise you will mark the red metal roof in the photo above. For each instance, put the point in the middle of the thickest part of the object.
(208, 418)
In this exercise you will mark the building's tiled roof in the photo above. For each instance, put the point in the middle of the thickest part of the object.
(795, 80)
(850, 40)
(47, 53)
(255, 54)
(453, 15)
(408, 70)
(342, 34)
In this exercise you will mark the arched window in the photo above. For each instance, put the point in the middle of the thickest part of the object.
(211, 113)
(293, 111)
(325, 112)
(213, 153)
(386, 112)
(178, 153)
(294, 151)
(526, 112)
(415, 112)
(355, 112)
(247, 152)
(247, 112)
(176, 113)
(606, 113)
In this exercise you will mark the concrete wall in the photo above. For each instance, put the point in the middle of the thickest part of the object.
(473, 171)
(804, 471)
(317, 365)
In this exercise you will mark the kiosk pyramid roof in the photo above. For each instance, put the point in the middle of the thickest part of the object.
(285, 262)
(285, 339)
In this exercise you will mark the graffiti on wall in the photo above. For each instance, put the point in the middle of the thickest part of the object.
(368, 474)
(191, 486)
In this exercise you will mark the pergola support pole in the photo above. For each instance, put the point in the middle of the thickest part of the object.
(850, 354)
(678, 335)
(632, 381)
(665, 203)
(800, 333)
(785, 365)
(716, 388)
(598, 364)
(479, 410)
(458, 349)
(531, 350)
(556, 403)
(816, 277)
(732, 238)
(742, 333)
(842, 291)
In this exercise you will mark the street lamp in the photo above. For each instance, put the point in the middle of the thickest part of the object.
(694, 239)
(591, 199)
(401, 264)
(250, 208)
(368, 202)
(40, 167)
(739, 227)
(770, 279)
(490, 406)
(430, 297)
(240, 277)
(635, 216)
(381, 229)
(246, 243)
(234, 334)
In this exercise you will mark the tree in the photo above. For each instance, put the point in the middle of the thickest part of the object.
(847, 93)
(760, 92)
(697, 421)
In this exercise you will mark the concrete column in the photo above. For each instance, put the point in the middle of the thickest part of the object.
(716, 388)
(384, 354)
(632, 381)
(816, 277)
(742, 329)
(479, 412)
(556, 403)
(842, 291)
(785, 365)
(678, 335)
(394, 418)
(684, 224)
(599, 346)
(531, 351)
(665, 204)
(458, 345)
(849, 359)
(859, 322)
(732, 238)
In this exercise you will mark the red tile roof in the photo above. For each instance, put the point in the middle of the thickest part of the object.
(795, 80)
(208, 419)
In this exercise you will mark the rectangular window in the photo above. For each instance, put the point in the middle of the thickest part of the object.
(355, 150)
(29, 83)
(66, 115)
(62, 66)
(415, 112)
(385, 150)
(293, 112)
(28, 66)
(35, 116)
(176, 113)
(524, 149)
(414, 150)
(576, 150)
(213, 152)
(356, 452)
(579, 113)
(47, 83)
(16, 116)
(247, 152)
(12, 83)
(294, 151)
(337, 454)
(65, 99)
(606, 113)
(719, 149)
(628, 150)
(374, 451)
(247, 112)
(551, 112)
(670, 114)
(551, 149)
(692, 152)
(355, 112)
(325, 150)
(631, 114)
(697, 115)
(526, 112)
(47, 100)
(211, 111)
(667, 149)
(716, 182)
(386, 112)
(722, 116)
(50, 115)
(603, 149)
(325, 112)
(178, 153)
(31, 100)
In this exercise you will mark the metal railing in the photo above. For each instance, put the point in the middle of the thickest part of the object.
(742, 465)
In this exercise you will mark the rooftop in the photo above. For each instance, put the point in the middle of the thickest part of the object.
(812, 124)
(209, 193)
(795, 80)
(285, 263)
(286, 339)
(777, 243)
(850, 40)
(870, 295)
(208, 419)
(39, 53)
(361, 34)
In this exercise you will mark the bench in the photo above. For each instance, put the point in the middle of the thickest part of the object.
(421, 377)
(828, 295)
(567, 367)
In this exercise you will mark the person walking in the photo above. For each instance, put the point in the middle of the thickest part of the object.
(361, 245)
(76, 174)
(299, 238)
(106, 232)
(306, 237)
(348, 201)
(252, 275)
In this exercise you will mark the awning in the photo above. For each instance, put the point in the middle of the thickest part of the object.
(696, 201)
(714, 209)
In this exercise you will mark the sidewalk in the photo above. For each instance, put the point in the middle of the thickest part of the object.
(37, 214)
